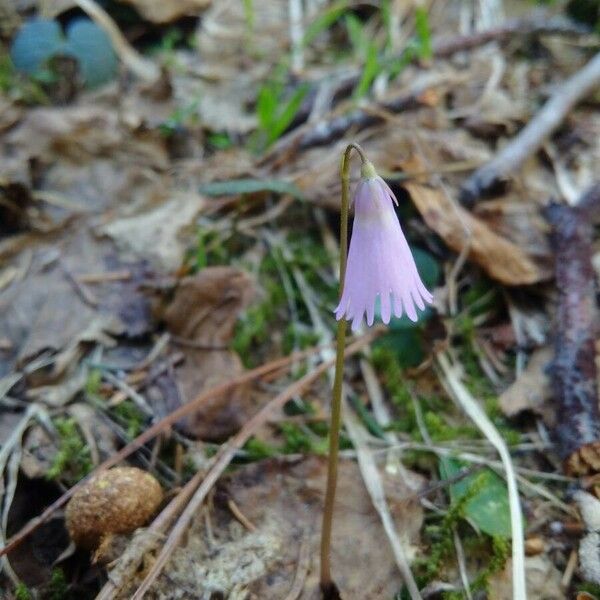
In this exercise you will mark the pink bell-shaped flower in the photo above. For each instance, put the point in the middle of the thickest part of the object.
(380, 262)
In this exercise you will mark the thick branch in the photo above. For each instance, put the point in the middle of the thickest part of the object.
(574, 368)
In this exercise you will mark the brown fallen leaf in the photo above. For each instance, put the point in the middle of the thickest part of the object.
(156, 235)
(502, 259)
(166, 11)
(531, 390)
(283, 500)
(45, 309)
(202, 318)
(521, 223)
(80, 133)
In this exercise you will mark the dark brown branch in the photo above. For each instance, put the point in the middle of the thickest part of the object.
(573, 371)
(532, 136)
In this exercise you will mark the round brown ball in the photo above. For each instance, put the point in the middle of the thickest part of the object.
(116, 501)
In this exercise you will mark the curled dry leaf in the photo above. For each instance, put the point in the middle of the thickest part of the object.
(531, 390)
(502, 259)
(202, 316)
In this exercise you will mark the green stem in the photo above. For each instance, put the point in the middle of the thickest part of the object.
(327, 586)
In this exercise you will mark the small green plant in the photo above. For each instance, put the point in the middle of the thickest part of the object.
(220, 141)
(365, 49)
(252, 328)
(209, 251)
(276, 108)
(22, 592)
(73, 460)
(249, 14)
(326, 19)
(301, 439)
(423, 33)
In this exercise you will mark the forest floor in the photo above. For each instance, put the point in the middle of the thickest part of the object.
(169, 226)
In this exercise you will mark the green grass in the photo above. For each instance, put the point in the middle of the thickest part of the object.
(72, 461)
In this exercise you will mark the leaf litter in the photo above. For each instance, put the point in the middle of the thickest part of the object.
(159, 237)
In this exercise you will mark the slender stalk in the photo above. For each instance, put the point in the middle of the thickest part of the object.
(327, 586)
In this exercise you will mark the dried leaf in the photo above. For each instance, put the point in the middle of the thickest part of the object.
(531, 390)
(165, 11)
(203, 314)
(156, 235)
(502, 259)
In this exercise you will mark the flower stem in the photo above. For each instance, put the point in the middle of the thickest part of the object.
(327, 586)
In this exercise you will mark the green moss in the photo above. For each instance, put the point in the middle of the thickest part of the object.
(387, 366)
(22, 592)
(58, 588)
(92, 383)
(590, 588)
(258, 449)
(499, 553)
(301, 440)
(298, 337)
(130, 417)
(440, 431)
(73, 460)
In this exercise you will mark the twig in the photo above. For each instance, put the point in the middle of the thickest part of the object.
(84, 293)
(239, 515)
(574, 369)
(532, 136)
(136, 398)
(302, 568)
(445, 48)
(135, 62)
(227, 452)
(569, 570)
(478, 416)
(152, 432)
(462, 566)
(106, 276)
